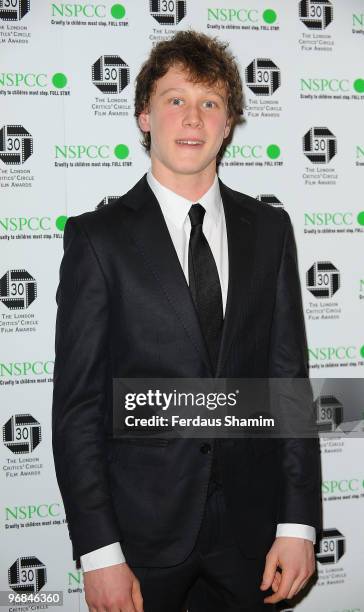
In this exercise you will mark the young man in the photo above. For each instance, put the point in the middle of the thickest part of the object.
(181, 277)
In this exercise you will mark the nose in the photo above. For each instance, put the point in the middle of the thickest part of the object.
(192, 117)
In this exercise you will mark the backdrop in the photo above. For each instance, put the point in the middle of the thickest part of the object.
(69, 143)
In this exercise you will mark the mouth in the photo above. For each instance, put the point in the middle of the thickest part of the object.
(189, 143)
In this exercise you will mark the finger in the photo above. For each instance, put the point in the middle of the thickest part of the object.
(301, 586)
(137, 596)
(129, 607)
(285, 586)
(269, 572)
(277, 581)
(295, 587)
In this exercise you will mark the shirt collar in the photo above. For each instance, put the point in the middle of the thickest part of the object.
(176, 207)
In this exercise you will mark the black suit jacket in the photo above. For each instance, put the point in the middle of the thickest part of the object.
(125, 310)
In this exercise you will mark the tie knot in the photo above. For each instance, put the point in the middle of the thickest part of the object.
(196, 214)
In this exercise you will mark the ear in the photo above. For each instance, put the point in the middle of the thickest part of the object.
(227, 127)
(144, 121)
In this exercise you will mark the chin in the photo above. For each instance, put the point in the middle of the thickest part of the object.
(189, 166)
(187, 169)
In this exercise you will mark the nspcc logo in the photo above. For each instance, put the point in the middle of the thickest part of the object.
(316, 14)
(18, 289)
(319, 145)
(333, 85)
(168, 12)
(93, 151)
(263, 77)
(27, 575)
(332, 547)
(323, 279)
(110, 74)
(31, 80)
(22, 433)
(16, 144)
(13, 10)
(86, 9)
(11, 369)
(242, 15)
(32, 511)
(336, 353)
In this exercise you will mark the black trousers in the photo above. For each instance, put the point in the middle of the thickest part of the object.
(215, 577)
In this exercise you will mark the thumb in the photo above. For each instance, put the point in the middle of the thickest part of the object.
(271, 563)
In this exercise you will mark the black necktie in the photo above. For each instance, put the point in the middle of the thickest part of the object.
(204, 284)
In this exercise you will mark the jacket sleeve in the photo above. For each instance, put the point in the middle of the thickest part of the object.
(301, 465)
(81, 377)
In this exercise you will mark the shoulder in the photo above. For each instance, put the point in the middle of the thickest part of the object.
(260, 212)
(95, 222)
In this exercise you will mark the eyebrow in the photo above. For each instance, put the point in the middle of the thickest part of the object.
(209, 91)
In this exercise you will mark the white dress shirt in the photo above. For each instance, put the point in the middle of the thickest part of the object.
(175, 210)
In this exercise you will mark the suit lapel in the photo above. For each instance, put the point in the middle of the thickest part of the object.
(240, 227)
(150, 233)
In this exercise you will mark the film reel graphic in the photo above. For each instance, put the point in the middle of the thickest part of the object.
(332, 547)
(14, 10)
(22, 433)
(263, 77)
(16, 144)
(18, 289)
(316, 14)
(271, 199)
(27, 575)
(167, 12)
(319, 145)
(107, 200)
(323, 279)
(110, 74)
(329, 413)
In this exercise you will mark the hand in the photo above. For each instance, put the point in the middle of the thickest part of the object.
(113, 589)
(296, 558)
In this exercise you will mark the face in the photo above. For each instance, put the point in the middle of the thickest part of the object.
(187, 123)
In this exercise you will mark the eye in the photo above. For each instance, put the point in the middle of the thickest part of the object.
(176, 101)
(210, 104)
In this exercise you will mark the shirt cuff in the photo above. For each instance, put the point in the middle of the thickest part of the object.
(102, 557)
(296, 530)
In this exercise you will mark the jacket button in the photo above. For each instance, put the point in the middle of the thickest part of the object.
(205, 448)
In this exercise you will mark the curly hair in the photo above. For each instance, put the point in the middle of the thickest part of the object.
(205, 59)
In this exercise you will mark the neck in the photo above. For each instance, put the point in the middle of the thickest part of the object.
(189, 186)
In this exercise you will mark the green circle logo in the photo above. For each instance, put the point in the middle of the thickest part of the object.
(273, 151)
(59, 80)
(359, 85)
(61, 222)
(121, 151)
(362, 351)
(360, 218)
(118, 11)
(269, 16)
